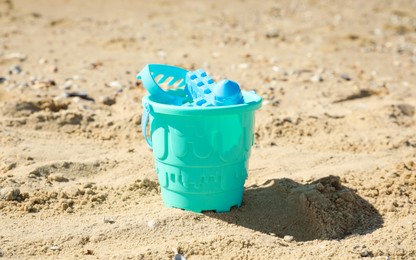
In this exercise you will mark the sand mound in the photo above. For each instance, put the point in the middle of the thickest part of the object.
(333, 210)
(323, 209)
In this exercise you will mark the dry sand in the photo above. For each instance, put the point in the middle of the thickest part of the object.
(333, 169)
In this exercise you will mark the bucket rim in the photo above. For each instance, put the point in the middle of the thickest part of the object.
(253, 103)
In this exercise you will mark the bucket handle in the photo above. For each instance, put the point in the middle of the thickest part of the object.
(145, 121)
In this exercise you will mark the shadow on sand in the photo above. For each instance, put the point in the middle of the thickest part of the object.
(323, 209)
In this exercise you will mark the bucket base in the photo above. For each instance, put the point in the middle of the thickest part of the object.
(219, 202)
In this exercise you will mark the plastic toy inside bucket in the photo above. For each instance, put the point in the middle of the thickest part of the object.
(201, 153)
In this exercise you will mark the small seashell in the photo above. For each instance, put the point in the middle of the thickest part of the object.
(288, 238)
(162, 54)
(244, 66)
(114, 84)
(152, 223)
(215, 54)
(345, 76)
(365, 253)
(275, 69)
(316, 78)
(15, 55)
(55, 248)
(109, 220)
(42, 61)
(273, 33)
(68, 84)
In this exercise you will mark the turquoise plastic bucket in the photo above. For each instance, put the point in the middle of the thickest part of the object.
(201, 153)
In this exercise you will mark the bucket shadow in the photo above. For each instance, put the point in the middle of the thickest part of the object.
(323, 209)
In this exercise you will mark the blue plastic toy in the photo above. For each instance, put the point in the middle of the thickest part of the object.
(200, 89)
(227, 93)
(199, 86)
(154, 74)
(205, 92)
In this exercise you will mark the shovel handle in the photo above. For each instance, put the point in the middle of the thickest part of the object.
(145, 121)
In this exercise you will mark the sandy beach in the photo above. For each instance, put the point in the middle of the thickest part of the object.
(332, 172)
